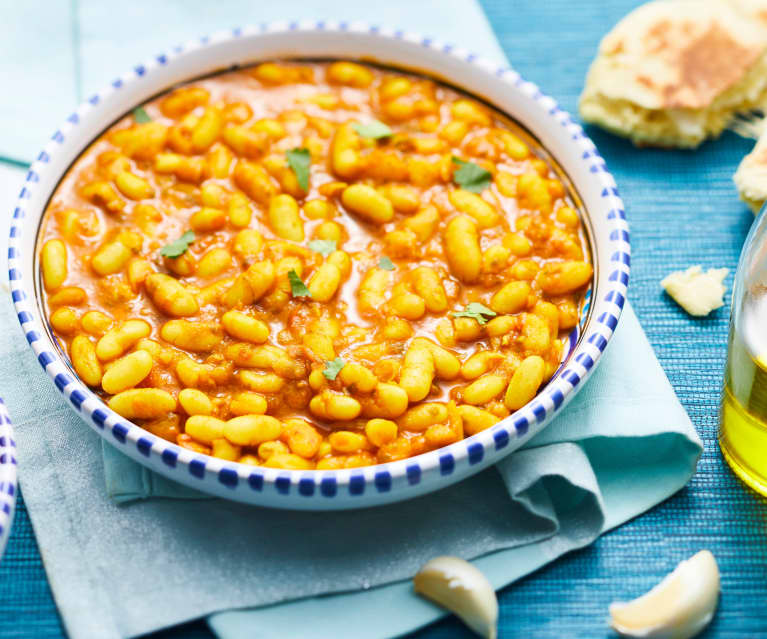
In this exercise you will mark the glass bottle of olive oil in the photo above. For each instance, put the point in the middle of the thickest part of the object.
(743, 418)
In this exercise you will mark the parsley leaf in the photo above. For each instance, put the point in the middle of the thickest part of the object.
(140, 115)
(471, 177)
(476, 311)
(386, 264)
(299, 161)
(324, 247)
(178, 247)
(374, 130)
(333, 367)
(297, 286)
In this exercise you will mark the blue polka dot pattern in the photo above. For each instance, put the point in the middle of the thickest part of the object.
(8, 486)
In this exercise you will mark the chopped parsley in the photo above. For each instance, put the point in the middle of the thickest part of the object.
(178, 247)
(386, 264)
(297, 286)
(333, 367)
(374, 130)
(470, 176)
(299, 161)
(140, 116)
(324, 247)
(476, 311)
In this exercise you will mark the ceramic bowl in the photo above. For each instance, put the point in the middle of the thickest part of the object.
(8, 485)
(325, 490)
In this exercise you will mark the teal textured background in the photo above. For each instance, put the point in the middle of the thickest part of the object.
(683, 210)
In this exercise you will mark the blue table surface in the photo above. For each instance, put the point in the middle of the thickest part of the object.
(683, 210)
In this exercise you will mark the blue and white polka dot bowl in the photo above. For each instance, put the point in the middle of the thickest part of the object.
(8, 485)
(361, 487)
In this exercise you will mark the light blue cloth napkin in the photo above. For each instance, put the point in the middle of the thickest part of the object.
(622, 445)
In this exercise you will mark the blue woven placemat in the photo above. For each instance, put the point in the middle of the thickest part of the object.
(683, 210)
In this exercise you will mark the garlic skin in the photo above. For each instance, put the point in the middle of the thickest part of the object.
(679, 607)
(458, 586)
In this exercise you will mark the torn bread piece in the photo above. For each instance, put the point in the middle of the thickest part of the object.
(752, 9)
(696, 292)
(673, 72)
(751, 177)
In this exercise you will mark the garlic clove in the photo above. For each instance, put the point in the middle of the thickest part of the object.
(461, 588)
(679, 607)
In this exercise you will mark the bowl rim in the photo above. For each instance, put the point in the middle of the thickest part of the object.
(8, 479)
(595, 334)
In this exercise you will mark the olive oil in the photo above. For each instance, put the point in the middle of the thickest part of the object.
(743, 420)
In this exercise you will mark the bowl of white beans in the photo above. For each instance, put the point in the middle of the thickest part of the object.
(319, 266)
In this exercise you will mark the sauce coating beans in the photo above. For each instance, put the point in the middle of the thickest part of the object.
(314, 266)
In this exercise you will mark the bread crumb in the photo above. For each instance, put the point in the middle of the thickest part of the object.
(696, 292)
